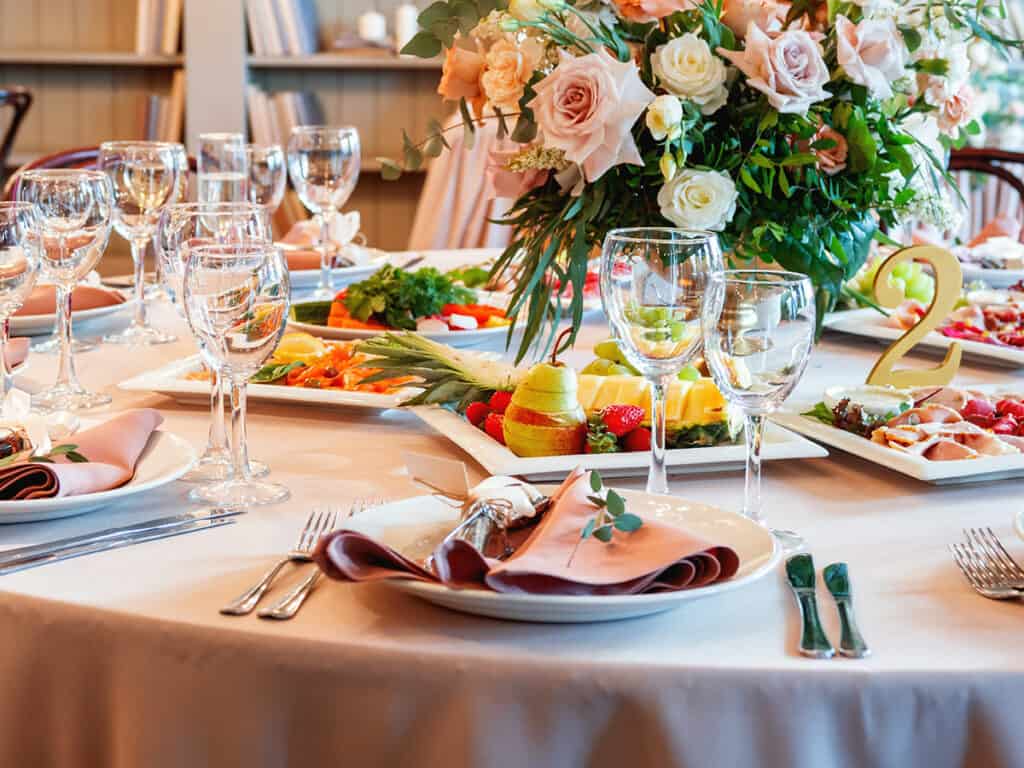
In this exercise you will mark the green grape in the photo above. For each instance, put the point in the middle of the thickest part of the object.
(902, 270)
(899, 283)
(689, 373)
(921, 287)
(915, 270)
(599, 367)
(609, 350)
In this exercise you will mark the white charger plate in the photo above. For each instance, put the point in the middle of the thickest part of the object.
(42, 325)
(868, 323)
(457, 339)
(170, 380)
(165, 458)
(994, 278)
(304, 279)
(938, 472)
(414, 526)
(499, 460)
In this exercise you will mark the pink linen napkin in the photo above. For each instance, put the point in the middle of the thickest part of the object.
(112, 448)
(16, 352)
(656, 558)
(43, 299)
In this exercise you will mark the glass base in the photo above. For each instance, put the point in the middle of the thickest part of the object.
(69, 398)
(141, 335)
(215, 467)
(323, 294)
(790, 541)
(240, 494)
(52, 345)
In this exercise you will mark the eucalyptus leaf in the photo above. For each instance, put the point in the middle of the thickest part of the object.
(628, 522)
(604, 533)
(596, 483)
(423, 45)
(616, 504)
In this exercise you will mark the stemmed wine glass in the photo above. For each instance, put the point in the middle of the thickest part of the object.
(653, 281)
(73, 214)
(236, 300)
(145, 176)
(19, 264)
(268, 175)
(222, 168)
(758, 333)
(182, 227)
(323, 164)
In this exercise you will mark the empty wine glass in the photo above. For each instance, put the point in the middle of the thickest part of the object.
(73, 214)
(268, 175)
(758, 333)
(653, 281)
(237, 299)
(19, 264)
(182, 227)
(222, 168)
(323, 164)
(145, 176)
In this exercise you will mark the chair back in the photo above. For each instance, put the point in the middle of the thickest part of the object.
(992, 183)
(19, 100)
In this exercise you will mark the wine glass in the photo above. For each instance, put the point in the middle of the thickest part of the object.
(323, 164)
(145, 176)
(222, 168)
(653, 281)
(73, 215)
(236, 300)
(268, 175)
(758, 333)
(19, 265)
(182, 227)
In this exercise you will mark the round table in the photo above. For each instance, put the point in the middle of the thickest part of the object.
(121, 659)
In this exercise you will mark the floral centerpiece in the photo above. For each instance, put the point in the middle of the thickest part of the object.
(796, 130)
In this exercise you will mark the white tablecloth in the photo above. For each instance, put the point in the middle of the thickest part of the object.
(121, 659)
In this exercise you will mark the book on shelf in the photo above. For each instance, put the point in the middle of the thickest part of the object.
(272, 116)
(157, 27)
(282, 27)
(162, 117)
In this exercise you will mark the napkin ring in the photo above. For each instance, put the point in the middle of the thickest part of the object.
(484, 522)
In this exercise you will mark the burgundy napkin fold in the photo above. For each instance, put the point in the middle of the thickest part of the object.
(16, 352)
(112, 448)
(43, 299)
(655, 558)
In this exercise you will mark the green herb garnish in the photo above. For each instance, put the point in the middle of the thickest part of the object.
(70, 452)
(611, 515)
(471, 277)
(822, 413)
(268, 374)
(398, 298)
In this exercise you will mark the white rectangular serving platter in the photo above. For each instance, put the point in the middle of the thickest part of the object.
(868, 323)
(498, 460)
(937, 472)
(169, 380)
(993, 278)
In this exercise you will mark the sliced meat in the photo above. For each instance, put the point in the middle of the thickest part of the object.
(951, 397)
(949, 450)
(926, 414)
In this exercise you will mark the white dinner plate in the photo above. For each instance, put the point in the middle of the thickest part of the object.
(977, 470)
(165, 458)
(170, 380)
(452, 338)
(870, 324)
(42, 325)
(415, 526)
(499, 460)
(993, 278)
(304, 279)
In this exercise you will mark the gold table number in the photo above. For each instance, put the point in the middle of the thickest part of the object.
(948, 285)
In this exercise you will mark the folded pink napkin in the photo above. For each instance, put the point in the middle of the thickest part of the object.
(16, 352)
(112, 448)
(43, 299)
(302, 260)
(655, 558)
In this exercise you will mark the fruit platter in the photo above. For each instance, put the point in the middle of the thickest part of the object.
(424, 302)
(937, 434)
(543, 421)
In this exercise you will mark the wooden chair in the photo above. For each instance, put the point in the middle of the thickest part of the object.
(992, 182)
(19, 100)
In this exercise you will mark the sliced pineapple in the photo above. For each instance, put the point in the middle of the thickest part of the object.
(687, 402)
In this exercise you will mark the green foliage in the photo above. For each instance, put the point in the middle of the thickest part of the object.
(441, 21)
(268, 374)
(611, 515)
(398, 298)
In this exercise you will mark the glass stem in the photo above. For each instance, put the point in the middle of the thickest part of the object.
(657, 478)
(326, 278)
(239, 451)
(139, 264)
(6, 379)
(217, 442)
(66, 377)
(754, 429)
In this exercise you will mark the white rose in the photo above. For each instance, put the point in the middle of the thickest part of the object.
(699, 200)
(668, 166)
(872, 54)
(663, 117)
(686, 67)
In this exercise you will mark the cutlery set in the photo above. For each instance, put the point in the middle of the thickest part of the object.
(813, 640)
(987, 566)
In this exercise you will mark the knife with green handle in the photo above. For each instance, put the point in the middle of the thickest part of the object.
(813, 641)
(851, 643)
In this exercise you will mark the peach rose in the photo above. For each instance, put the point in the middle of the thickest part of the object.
(460, 75)
(501, 182)
(648, 10)
(871, 53)
(508, 68)
(769, 15)
(957, 111)
(587, 107)
(788, 69)
(832, 160)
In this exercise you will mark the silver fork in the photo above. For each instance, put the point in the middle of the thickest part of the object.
(1001, 562)
(315, 527)
(985, 578)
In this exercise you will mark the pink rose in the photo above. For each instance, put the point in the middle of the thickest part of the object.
(648, 10)
(769, 15)
(788, 69)
(832, 160)
(587, 107)
(871, 53)
(957, 111)
(460, 75)
(501, 182)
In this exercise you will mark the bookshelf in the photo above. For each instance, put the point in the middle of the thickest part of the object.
(346, 61)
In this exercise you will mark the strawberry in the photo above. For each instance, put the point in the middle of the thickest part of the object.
(494, 425)
(1006, 425)
(1011, 407)
(638, 440)
(499, 401)
(978, 407)
(620, 419)
(476, 413)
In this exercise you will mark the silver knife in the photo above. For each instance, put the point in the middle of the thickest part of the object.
(9, 555)
(32, 561)
(813, 641)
